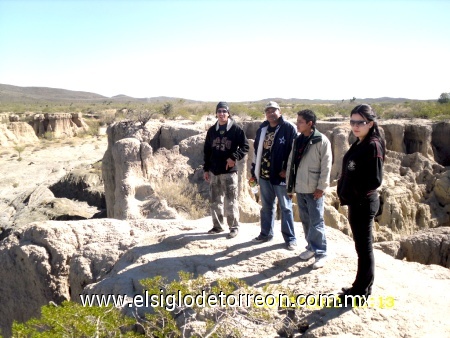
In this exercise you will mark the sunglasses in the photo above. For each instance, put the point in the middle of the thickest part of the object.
(358, 123)
(222, 111)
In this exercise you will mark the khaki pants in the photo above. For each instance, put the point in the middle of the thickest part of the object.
(224, 187)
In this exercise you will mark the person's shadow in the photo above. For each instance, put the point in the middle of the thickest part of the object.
(200, 262)
(295, 322)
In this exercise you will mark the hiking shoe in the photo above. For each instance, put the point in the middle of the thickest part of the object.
(215, 231)
(233, 233)
(291, 246)
(261, 239)
(320, 262)
(306, 255)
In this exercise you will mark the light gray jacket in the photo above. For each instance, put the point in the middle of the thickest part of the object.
(313, 171)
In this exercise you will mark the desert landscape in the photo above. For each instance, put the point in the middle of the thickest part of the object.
(91, 215)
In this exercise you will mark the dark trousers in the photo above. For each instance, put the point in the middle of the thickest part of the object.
(361, 216)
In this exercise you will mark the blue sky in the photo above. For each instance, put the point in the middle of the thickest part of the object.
(233, 50)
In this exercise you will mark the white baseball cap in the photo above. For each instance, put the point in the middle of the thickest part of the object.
(272, 104)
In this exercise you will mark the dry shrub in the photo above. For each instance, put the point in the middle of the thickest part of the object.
(183, 196)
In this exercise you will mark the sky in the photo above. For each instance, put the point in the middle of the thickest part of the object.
(234, 50)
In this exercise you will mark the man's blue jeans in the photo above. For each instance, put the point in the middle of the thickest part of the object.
(268, 194)
(311, 214)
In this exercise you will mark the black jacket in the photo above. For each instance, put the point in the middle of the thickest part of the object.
(218, 148)
(362, 171)
(285, 134)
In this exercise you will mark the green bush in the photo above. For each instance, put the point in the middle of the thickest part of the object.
(48, 135)
(71, 319)
(19, 148)
(74, 320)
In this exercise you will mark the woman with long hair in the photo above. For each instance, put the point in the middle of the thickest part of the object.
(362, 174)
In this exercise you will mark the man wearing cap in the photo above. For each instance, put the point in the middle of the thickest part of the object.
(273, 145)
(225, 144)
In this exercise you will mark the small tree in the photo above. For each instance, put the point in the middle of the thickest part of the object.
(143, 117)
(167, 109)
(444, 98)
(19, 148)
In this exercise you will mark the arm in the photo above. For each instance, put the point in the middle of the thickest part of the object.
(326, 161)
(242, 148)
(289, 173)
(373, 175)
(255, 153)
(291, 135)
(207, 151)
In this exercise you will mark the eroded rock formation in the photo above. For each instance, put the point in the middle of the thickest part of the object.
(61, 125)
(14, 133)
(430, 246)
(131, 167)
(54, 261)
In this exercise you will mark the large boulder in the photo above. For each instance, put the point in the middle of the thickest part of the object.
(54, 261)
(170, 135)
(431, 246)
(40, 204)
(192, 148)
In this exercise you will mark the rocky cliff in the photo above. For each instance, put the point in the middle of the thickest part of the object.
(58, 125)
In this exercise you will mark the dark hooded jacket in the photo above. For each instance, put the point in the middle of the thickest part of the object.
(218, 148)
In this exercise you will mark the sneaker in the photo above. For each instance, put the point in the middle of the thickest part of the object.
(233, 233)
(261, 239)
(215, 231)
(291, 246)
(306, 255)
(320, 262)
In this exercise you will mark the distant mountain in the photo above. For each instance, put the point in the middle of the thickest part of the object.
(9, 93)
(319, 101)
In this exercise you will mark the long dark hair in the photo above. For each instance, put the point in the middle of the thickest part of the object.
(366, 112)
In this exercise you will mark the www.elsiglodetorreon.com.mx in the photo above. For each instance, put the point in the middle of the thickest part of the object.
(171, 301)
